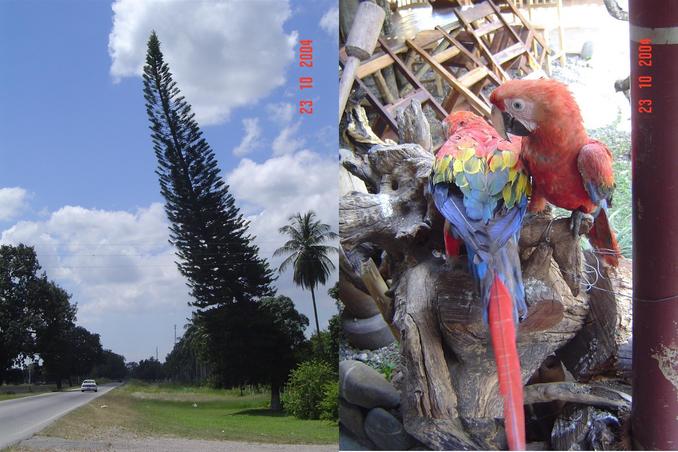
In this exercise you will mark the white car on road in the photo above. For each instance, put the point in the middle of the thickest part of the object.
(88, 385)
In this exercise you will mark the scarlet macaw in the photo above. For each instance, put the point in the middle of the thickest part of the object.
(479, 186)
(568, 169)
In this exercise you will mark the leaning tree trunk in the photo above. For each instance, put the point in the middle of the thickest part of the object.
(315, 313)
(447, 378)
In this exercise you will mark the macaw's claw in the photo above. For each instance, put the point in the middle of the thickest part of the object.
(576, 219)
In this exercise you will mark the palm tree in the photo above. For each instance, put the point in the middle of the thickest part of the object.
(307, 252)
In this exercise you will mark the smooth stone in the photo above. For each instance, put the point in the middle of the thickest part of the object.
(349, 442)
(587, 50)
(352, 418)
(370, 333)
(386, 431)
(361, 385)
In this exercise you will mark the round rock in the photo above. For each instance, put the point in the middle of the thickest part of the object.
(386, 431)
(370, 333)
(351, 417)
(361, 385)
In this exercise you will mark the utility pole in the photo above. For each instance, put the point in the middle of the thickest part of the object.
(156, 353)
(654, 77)
(175, 334)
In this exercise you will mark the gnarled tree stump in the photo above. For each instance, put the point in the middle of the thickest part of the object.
(448, 381)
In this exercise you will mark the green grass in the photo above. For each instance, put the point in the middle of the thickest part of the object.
(621, 210)
(18, 396)
(18, 391)
(187, 412)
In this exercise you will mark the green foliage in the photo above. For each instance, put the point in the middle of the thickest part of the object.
(85, 350)
(152, 410)
(111, 366)
(188, 362)
(19, 269)
(54, 329)
(620, 213)
(325, 347)
(216, 255)
(147, 370)
(386, 369)
(305, 389)
(329, 405)
(307, 253)
(38, 318)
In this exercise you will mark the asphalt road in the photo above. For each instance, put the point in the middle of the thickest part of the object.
(21, 418)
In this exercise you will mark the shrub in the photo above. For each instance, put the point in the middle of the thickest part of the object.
(329, 406)
(306, 389)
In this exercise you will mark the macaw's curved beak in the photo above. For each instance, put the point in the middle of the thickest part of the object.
(504, 123)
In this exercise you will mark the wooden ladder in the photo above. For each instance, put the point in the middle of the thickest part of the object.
(498, 42)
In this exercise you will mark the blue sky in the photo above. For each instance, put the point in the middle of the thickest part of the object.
(77, 168)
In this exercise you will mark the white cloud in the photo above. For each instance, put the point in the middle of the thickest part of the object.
(13, 200)
(287, 140)
(281, 112)
(272, 191)
(218, 59)
(330, 21)
(112, 261)
(252, 138)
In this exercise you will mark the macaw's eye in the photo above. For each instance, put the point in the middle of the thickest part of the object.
(518, 105)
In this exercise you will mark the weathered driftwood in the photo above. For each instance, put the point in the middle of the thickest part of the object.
(603, 346)
(448, 365)
(448, 380)
(377, 288)
(585, 428)
(597, 395)
(412, 126)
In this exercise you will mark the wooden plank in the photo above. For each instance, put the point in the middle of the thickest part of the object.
(525, 22)
(479, 11)
(376, 63)
(421, 96)
(468, 54)
(496, 67)
(510, 53)
(446, 54)
(384, 90)
(475, 102)
(385, 115)
(507, 26)
(412, 79)
(488, 28)
(473, 76)
(425, 38)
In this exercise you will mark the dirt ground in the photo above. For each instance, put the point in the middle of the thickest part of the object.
(52, 444)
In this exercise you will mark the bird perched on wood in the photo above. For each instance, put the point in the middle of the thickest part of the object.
(568, 169)
(479, 186)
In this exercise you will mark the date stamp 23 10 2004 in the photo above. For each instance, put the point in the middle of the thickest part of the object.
(645, 78)
(305, 82)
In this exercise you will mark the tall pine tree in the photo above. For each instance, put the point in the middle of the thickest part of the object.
(216, 255)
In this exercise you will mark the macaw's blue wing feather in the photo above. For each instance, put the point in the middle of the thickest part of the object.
(492, 245)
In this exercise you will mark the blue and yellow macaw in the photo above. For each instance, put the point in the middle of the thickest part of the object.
(481, 188)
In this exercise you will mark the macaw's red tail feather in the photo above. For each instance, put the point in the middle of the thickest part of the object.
(503, 332)
(603, 239)
(452, 245)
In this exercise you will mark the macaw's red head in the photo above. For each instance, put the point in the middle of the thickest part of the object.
(520, 107)
(460, 119)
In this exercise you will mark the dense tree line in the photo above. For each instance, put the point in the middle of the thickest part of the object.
(37, 324)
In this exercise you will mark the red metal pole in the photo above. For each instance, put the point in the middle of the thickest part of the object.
(654, 99)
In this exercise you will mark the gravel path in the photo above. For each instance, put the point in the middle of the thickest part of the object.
(47, 443)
